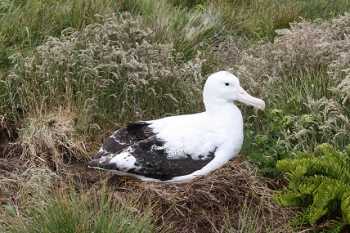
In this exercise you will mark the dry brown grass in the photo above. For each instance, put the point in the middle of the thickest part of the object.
(9, 171)
(20, 178)
(7, 131)
(22, 187)
(50, 139)
(33, 154)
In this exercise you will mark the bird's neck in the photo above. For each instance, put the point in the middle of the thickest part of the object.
(227, 120)
(222, 109)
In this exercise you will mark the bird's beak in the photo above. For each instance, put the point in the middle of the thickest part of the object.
(245, 98)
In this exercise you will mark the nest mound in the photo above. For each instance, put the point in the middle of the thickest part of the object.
(233, 195)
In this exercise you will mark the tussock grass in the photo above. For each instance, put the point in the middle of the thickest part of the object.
(51, 139)
(22, 186)
(187, 28)
(73, 213)
(259, 19)
(254, 19)
(114, 71)
(188, 24)
(248, 220)
(25, 24)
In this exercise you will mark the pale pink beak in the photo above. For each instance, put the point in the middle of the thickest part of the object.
(245, 98)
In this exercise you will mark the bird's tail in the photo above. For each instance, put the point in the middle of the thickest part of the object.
(94, 163)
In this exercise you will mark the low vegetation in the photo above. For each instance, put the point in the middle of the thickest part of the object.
(304, 78)
(320, 182)
(110, 72)
(25, 24)
(72, 71)
(71, 213)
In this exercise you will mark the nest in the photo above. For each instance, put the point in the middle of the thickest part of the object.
(228, 196)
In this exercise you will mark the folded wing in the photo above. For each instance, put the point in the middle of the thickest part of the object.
(137, 150)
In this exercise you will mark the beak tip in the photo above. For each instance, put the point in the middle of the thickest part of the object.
(263, 105)
(245, 98)
(260, 104)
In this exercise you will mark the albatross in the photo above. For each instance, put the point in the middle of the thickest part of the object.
(180, 148)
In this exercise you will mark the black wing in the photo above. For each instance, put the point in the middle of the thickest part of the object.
(124, 138)
(151, 160)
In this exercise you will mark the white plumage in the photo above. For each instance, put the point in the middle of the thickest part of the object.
(180, 148)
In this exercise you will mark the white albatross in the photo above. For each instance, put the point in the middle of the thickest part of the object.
(180, 148)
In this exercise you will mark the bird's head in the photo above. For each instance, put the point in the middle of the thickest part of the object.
(224, 87)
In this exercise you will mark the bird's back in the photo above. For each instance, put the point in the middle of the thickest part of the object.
(191, 134)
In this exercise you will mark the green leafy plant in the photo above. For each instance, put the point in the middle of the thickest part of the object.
(318, 181)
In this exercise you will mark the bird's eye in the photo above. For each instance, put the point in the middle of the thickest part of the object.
(227, 84)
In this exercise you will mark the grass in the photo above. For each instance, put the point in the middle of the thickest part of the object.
(186, 27)
(72, 71)
(72, 213)
(51, 140)
(25, 24)
(259, 19)
(300, 76)
(248, 221)
(299, 88)
(253, 19)
(132, 80)
(304, 112)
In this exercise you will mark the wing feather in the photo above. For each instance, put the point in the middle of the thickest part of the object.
(123, 138)
(149, 158)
